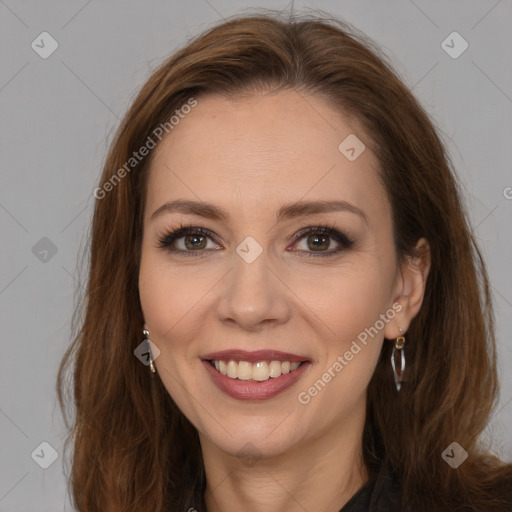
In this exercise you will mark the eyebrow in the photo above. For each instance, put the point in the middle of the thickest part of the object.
(287, 211)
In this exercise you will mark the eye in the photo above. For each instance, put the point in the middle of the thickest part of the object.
(190, 240)
(193, 241)
(318, 239)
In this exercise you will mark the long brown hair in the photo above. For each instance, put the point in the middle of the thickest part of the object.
(133, 448)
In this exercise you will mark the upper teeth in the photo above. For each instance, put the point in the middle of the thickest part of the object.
(260, 371)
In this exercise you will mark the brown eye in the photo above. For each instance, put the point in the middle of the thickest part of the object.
(318, 242)
(319, 239)
(189, 241)
(195, 241)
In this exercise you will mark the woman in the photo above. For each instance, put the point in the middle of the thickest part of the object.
(286, 307)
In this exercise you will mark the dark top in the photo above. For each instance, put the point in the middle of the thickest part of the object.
(381, 493)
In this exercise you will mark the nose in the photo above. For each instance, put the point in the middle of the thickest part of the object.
(254, 294)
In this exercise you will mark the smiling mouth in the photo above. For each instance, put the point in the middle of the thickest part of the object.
(260, 371)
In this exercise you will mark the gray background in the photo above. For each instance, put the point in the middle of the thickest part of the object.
(58, 117)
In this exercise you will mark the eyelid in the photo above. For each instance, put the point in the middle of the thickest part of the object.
(182, 231)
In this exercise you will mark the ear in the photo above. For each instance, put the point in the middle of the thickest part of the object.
(409, 289)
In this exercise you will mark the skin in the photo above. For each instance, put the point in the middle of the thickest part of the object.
(250, 156)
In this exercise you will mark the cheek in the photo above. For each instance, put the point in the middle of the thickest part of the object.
(154, 298)
(167, 307)
(352, 305)
(162, 297)
(347, 300)
(350, 352)
(164, 292)
(172, 302)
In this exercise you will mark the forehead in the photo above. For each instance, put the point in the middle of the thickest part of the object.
(263, 150)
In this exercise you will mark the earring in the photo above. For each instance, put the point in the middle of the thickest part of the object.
(399, 345)
(151, 365)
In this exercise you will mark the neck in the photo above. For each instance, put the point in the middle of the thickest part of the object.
(321, 475)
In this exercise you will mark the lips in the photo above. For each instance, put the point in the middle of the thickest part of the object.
(265, 381)
(254, 357)
(253, 390)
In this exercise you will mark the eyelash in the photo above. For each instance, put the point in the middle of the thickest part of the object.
(166, 240)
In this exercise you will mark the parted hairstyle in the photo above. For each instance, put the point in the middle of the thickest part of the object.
(133, 449)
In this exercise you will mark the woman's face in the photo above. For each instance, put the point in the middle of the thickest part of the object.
(244, 284)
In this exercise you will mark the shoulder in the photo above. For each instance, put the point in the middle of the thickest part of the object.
(387, 495)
